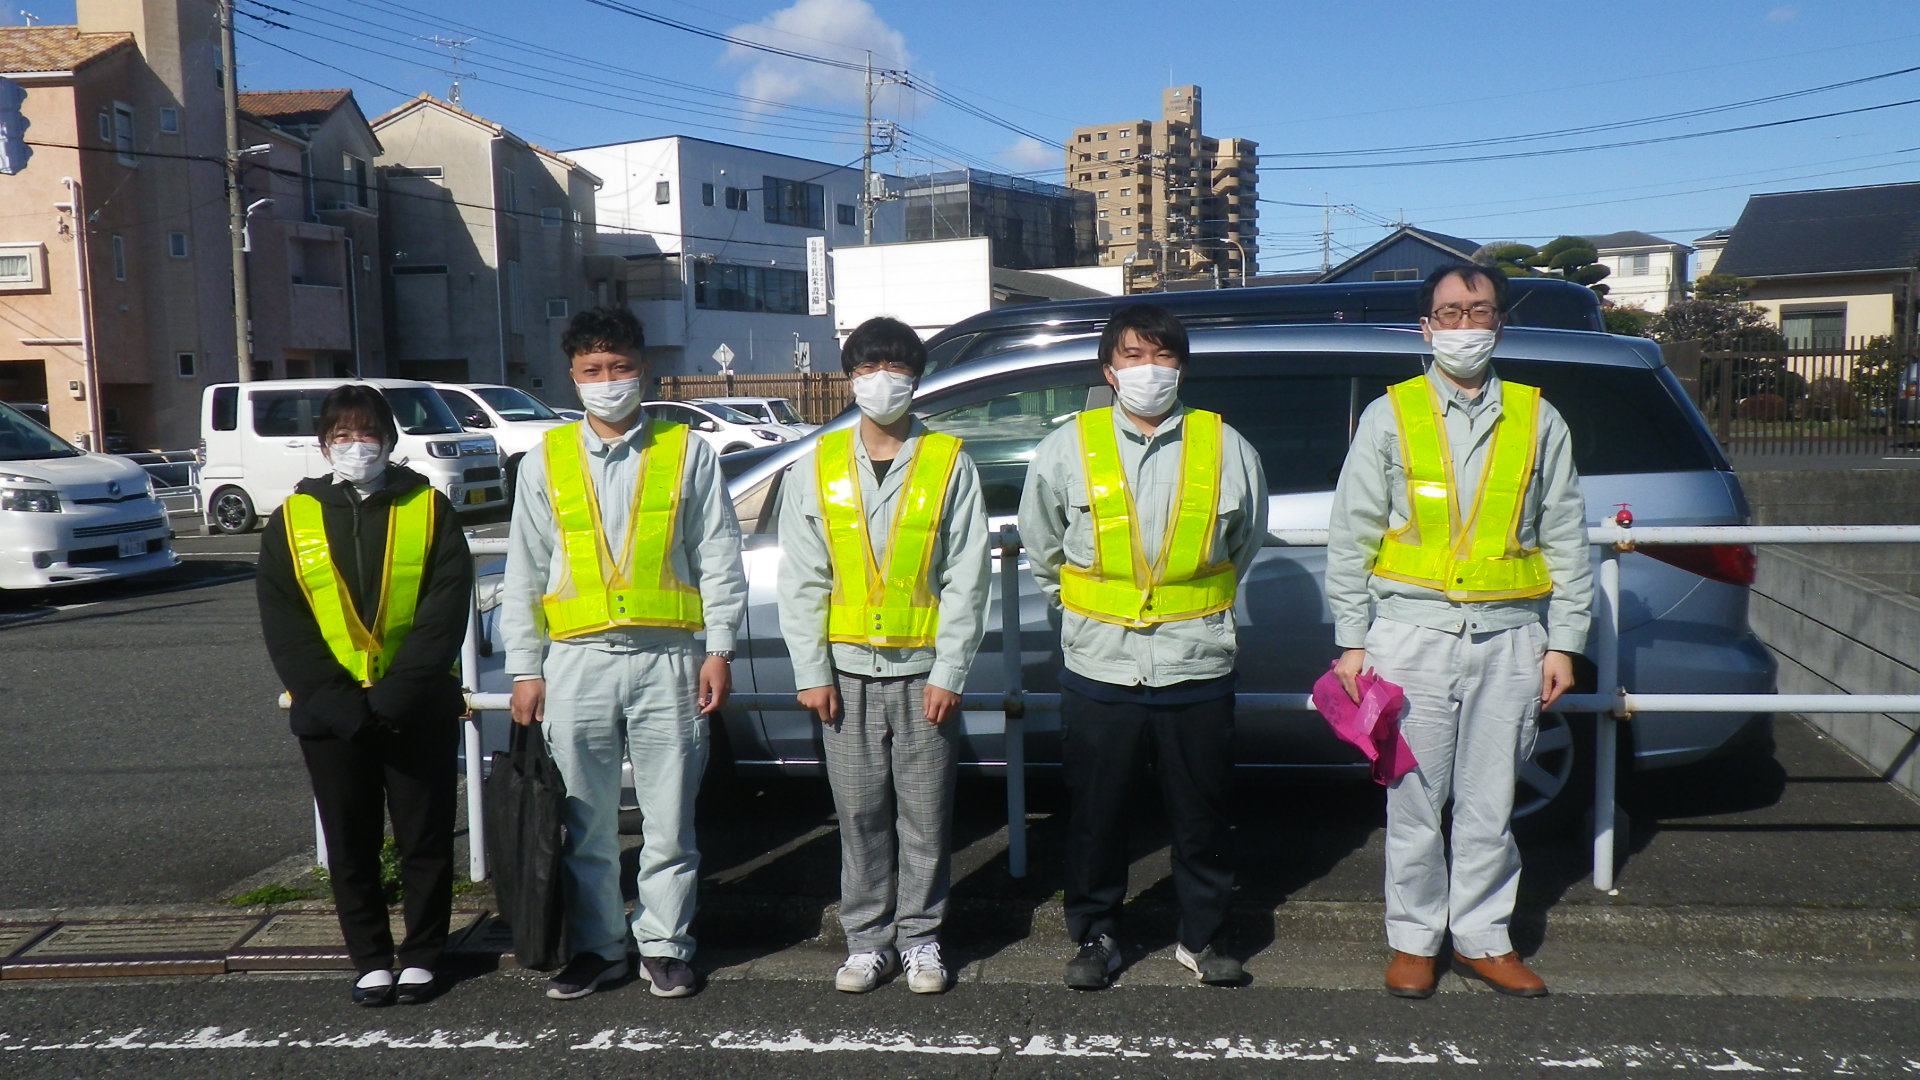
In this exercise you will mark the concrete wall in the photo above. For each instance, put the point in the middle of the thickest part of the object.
(1846, 497)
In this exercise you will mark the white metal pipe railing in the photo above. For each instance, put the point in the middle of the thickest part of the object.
(1610, 706)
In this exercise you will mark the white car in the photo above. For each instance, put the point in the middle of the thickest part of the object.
(68, 517)
(516, 419)
(725, 428)
(766, 410)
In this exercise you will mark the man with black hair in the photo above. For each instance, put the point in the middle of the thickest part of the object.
(1457, 568)
(1139, 521)
(624, 545)
(883, 592)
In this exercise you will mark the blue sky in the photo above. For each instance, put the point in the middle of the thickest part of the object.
(1302, 79)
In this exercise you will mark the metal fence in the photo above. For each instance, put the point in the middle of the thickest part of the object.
(818, 397)
(176, 479)
(1770, 395)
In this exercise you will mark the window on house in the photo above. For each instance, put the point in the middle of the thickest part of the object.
(1814, 328)
(169, 120)
(1086, 138)
(552, 217)
(1104, 194)
(1636, 265)
(106, 126)
(357, 192)
(1102, 155)
(1103, 213)
(177, 245)
(1102, 136)
(183, 365)
(516, 298)
(1102, 174)
(1086, 157)
(844, 214)
(1127, 152)
(119, 257)
(123, 134)
(1396, 275)
(1086, 176)
(417, 172)
(794, 202)
(1125, 191)
(557, 309)
(1126, 230)
(663, 192)
(736, 199)
(706, 194)
(16, 267)
(579, 227)
(509, 200)
(727, 287)
(1125, 211)
(1126, 134)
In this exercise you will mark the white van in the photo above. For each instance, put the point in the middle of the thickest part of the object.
(68, 517)
(257, 440)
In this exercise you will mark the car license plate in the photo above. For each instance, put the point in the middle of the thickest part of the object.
(132, 547)
(476, 495)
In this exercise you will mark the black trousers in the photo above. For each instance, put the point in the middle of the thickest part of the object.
(409, 773)
(1191, 749)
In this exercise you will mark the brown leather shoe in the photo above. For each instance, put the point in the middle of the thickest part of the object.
(1411, 976)
(1504, 973)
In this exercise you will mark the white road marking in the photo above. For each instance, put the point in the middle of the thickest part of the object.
(1141, 1048)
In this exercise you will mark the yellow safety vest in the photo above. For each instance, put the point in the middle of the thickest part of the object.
(366, 654)
(597, 592)
(1184, 582)
(894, 606)
(1481, 559)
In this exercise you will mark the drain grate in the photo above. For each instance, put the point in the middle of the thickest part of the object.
(310, 941)
(132, 947)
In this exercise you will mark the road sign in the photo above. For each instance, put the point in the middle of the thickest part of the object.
(724, 357)
(803, 356)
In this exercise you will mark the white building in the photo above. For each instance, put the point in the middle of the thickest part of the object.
(1649, 272)
(706, 243)
(932, 284)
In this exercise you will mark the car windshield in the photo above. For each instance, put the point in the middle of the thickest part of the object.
(419, 411)
(782, 411)
(514, 404)
(21, 439)
(728, 413)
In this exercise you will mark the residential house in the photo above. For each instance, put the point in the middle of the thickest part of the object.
(115, 283)
(1405, 254)
(1648, 271)
(1707, 250)
(1831, 265)
(314, 254)
(485, 238)
(707, 244)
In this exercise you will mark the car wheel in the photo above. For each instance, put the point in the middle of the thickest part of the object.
(231, 512)
(1553, 796)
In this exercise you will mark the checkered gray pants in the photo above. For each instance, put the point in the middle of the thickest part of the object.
(893, 776)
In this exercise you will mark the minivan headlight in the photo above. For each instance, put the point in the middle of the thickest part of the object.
(443, 449)
(770, 436)
(30, 500)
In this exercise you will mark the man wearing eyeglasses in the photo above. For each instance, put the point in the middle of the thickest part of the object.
(1457, 569)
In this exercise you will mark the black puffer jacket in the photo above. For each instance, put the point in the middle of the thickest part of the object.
(419, 686)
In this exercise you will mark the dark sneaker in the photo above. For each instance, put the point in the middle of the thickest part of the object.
(668, 976)
(1214, 968)
(583, 975)
(1093, 967)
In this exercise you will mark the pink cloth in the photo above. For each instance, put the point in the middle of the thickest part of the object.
(1373, 724)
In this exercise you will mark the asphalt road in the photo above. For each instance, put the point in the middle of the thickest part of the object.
(500, 1026)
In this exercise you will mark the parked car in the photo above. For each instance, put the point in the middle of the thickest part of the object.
(765, 410)
(68, 517)
(726, 429)
(516, 419)
(1295, 392)
(257, 441)
(1906, 407)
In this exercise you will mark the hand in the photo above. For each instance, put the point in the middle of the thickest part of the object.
(1348, 668)
(940, 705)
(822, 701)
(529, 701)
(1556, 677)
(716, 682)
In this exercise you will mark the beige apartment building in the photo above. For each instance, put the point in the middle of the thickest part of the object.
(1171, 203)
(115, 293)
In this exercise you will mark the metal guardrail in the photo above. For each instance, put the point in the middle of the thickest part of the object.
(1611, 707)
(176, 479)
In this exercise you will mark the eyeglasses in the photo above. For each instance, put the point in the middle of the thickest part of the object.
(342, 438)
(1480, 314)
(895, 367)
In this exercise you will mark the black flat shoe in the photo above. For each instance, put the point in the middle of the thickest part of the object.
(413, 993)
(373, 996)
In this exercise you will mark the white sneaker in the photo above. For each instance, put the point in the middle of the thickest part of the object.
(863, 971)
(925, 973)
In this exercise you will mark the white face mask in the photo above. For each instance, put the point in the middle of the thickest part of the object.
(1147, 390)
(357, 463)
(883, 395)
(610, 402)
(1463, 354)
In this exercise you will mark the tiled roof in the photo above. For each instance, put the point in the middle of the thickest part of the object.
(1831, 231)
(1631, 238)
(293, 106)
(498, 129)
(54, 48)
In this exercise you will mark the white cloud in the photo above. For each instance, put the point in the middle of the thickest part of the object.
(1783, 14)
(1031, 155)
(837, 29)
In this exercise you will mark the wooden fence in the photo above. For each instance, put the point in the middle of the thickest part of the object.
(1856, 396)
(818, 397)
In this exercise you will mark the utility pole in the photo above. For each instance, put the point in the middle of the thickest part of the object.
(1326, 229)
(870, 195)
(236, 208)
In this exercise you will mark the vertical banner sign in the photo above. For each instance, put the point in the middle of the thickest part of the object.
(816, 275)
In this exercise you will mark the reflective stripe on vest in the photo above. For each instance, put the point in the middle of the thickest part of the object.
(366, 654)
(894, 607)
(1481, 559)
(1121, 587)
(640, 589)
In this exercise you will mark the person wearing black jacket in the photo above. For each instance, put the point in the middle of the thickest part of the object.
(392, 738)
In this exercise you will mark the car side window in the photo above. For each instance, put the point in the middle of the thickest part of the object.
(1001, 431)
(281, 414)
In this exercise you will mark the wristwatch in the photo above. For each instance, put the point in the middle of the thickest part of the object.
(724, 654)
